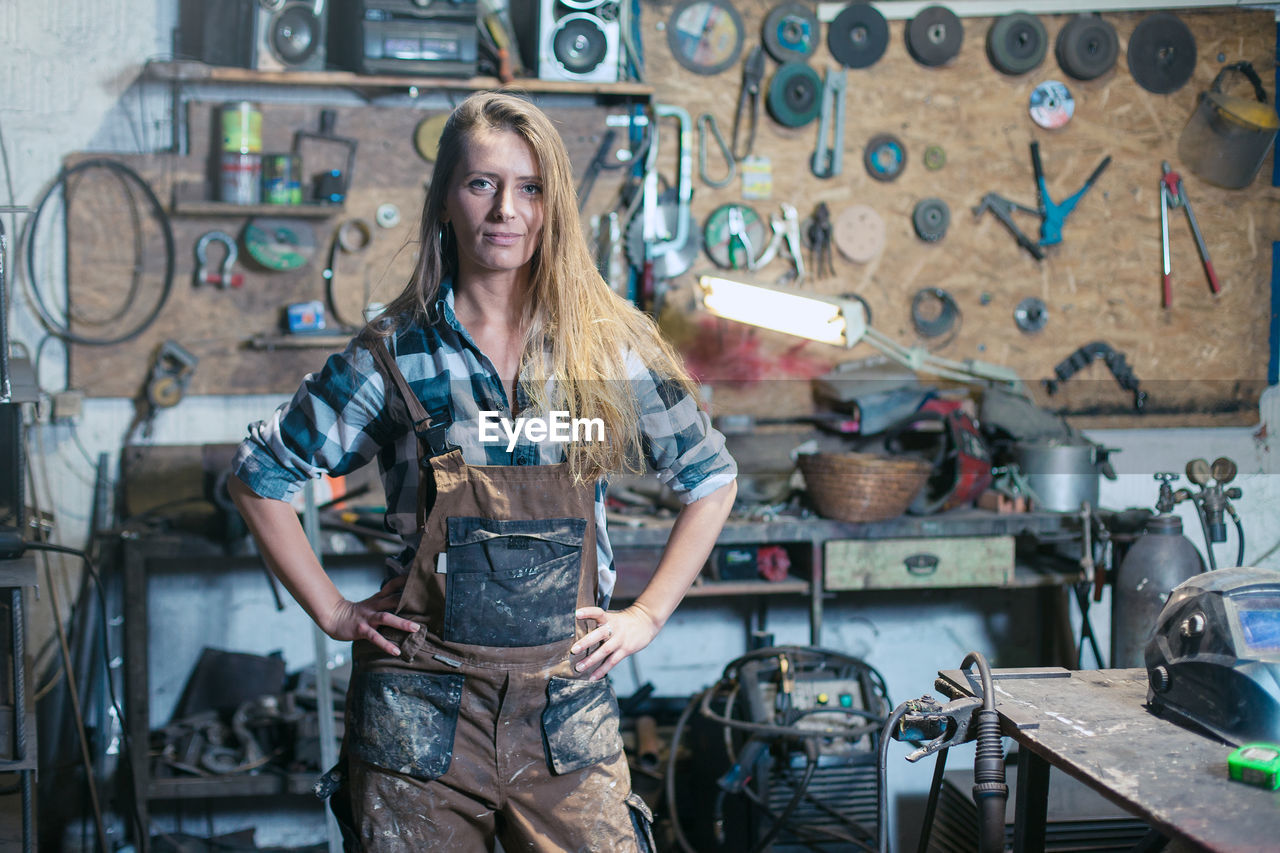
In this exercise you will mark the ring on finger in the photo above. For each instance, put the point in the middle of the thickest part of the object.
(609, 629)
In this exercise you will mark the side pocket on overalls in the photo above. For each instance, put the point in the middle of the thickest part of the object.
(512, 583)
(642, 822)
(582, 723)
(404, 721)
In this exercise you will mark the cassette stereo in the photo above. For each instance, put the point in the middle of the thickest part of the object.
(430, 37)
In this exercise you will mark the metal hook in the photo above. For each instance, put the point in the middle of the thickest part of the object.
(707, 122)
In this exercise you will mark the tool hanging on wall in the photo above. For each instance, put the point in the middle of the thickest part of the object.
(1227, 138)
(818, 232)
(1051, 105)
(786, 229)
(351, 237)
(1031, 315)
(707, 127)
(934, 36)
(859, 233)
(1174, 195)
(1162, 53)
(885, 157)
(1054, 214)
(1115, 360)
(170, 376)
(828, 156)
(705, 36)
(224, 277)
(790, 32)
(1087, 47)
(1002, 209)
(795, 94)
(326, 183)
(930, 218)
(1016, 43)
(279, 245)
(858, 35)
(734, 234)
(749, 97)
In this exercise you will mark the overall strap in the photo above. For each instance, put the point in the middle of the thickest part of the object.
(429, 427)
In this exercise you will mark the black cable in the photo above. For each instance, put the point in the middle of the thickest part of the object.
(931, 807)
(46, 316)
(670, 780)
(882, 789)
(811, 765)
(1204, 529)
(1235, 516)
(106, 651)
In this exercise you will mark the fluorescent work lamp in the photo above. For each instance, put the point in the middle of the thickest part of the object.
(835, 321)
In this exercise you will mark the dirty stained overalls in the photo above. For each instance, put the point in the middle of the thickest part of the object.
(482, 728)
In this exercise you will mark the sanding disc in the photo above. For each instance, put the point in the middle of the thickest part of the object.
(705, 36)
(858, 36)
(930, 219)
(885, 157)
(426, 136)
(859, 233)
(1051, 105)
(795, 94)
(1162, 53)
(1087, 47)
(1016, 43)
(279, 244)
(790, 32)
(934, 36)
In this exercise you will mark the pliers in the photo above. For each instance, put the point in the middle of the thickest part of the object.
(738, 233)
(1173, 195)
(749, 102)
(1054, 215)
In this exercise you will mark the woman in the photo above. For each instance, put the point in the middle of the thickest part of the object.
(477, 708)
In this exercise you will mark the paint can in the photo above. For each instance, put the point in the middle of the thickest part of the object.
(281, 179)
(240, 178)
(241, 128)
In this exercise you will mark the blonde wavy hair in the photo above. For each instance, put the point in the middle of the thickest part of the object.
(578, 330)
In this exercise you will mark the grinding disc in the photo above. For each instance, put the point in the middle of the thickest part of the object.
(885, 157)
(790, 32)
(426, 136)
(1162, 53)
(795, 94)
(930, 219)
(858, 36)
(716, 237)
(1051, 105)
(1087, 47)
(859, 233)
(934, 36)
(1016, 43)
(279, 244)
(705, 36)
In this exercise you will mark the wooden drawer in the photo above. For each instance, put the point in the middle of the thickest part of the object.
(908, 563)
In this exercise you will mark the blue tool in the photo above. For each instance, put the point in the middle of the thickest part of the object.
(1054, 215)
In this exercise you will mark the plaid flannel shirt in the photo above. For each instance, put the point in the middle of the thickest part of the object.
(338, 421)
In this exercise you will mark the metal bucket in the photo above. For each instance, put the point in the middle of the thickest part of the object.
(1061, 476)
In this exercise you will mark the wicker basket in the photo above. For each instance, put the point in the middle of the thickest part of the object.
(861, 486)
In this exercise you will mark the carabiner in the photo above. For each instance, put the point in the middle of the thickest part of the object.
(707, 122)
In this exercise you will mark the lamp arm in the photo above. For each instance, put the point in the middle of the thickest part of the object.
(923, 361)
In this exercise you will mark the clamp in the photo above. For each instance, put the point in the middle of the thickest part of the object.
(749, 98)
(786, 228)
(1172, 194)
(1002, 208)
(827, 156)
(945, 725)
(1053, 214)
(224, 278)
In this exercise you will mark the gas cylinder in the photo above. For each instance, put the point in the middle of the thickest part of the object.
(1157, 561)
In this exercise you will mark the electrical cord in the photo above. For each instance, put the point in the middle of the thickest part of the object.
(63, 330)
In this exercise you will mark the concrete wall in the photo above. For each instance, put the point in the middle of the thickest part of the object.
(67, 83)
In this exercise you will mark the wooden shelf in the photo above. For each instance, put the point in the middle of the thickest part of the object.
(187, 71)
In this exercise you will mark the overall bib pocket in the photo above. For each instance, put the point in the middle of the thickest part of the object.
(582, 723)
(404, 721)
(512, 583)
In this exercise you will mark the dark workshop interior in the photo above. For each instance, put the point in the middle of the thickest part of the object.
(982, 297)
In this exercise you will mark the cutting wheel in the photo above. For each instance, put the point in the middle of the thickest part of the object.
(1016, 43)
(885, 157)
(790, 32)
(1051, 105)
(934, 36)
(715, 236)
(279, 244)
(858, 36)
(859, 233)
(1162, 53)
(1087, 47)
(931, 218)
(705, 36)
(795, 94)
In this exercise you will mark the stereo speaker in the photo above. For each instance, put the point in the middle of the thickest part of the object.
(289, 35)
(575, 39)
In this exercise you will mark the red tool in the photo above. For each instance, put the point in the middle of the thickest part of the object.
(1173, 195)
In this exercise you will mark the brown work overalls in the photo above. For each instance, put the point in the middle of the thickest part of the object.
(481, 728)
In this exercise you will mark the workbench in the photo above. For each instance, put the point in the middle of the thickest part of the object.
(1094, 725)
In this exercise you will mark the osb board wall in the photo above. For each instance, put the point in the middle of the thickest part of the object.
(1205, 358)
(216, 324)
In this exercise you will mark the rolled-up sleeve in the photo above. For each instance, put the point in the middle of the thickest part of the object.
(335, 423)
(680, 443)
